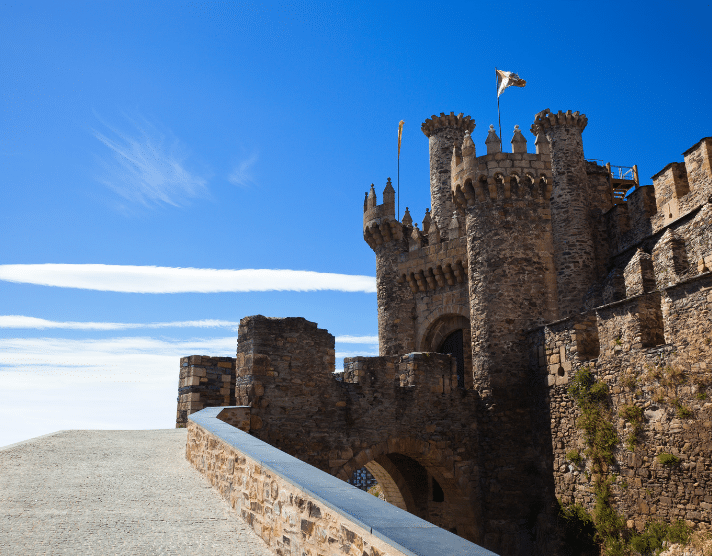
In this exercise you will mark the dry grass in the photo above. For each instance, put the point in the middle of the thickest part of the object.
(700, 545)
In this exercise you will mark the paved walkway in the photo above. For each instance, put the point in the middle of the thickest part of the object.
(114, 492)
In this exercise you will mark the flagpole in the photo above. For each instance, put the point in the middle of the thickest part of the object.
(499, 116)
(400, 133)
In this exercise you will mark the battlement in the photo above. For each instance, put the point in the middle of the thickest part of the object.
(447, 121)
(498, 175)
(547, 119)
(680, 186)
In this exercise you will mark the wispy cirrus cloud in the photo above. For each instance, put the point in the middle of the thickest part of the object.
(242, 173)
(34, 323)
(158, 279)
(147, 166)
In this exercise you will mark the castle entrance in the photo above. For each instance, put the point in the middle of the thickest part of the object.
(402, 481)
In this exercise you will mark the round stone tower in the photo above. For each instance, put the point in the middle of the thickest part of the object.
(574, 250)
(444, 132)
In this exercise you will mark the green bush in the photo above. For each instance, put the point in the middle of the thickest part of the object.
(668, 459)
(679, 532)
(632, 413)
(580, 385)
(651, 540)
(574, 457)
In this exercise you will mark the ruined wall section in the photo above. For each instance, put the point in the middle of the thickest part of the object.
(676, 252)
(630, 223)
(682, 187)
(204, 382)
(283, 368)
(667, 377)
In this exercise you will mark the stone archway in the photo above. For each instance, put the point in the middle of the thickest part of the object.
(424, 480)
(440, 331)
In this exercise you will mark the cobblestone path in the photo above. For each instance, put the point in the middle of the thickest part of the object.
(114, 492)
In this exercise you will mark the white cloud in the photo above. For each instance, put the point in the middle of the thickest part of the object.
(354, 339)
(20, 321)
(242, 175)
(158, 279)
(149, 167)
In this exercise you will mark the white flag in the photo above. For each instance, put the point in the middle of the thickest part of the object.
(508, 79)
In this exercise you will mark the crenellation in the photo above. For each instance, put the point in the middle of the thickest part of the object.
(494, 145)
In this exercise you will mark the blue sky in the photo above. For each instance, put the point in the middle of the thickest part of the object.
(239, 138)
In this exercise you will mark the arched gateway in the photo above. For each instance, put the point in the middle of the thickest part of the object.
(418, 477)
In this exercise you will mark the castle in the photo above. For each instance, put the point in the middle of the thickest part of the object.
(531, 273)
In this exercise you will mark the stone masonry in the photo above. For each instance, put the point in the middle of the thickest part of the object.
(528, 269)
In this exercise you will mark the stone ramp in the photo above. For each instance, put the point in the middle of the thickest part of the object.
(114, 492)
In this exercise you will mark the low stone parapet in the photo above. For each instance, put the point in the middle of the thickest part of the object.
(297, 508)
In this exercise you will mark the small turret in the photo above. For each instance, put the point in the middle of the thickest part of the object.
(416, 240)
(426, 221)
(433, 233)
(371, 198)
(493, 143)
(468, 145)
(389, 194)
(407, 220)
(519, 142)
(453, 230)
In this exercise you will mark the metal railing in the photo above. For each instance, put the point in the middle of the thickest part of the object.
(623, 172)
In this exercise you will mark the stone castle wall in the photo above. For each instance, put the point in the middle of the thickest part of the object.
(669, 379)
